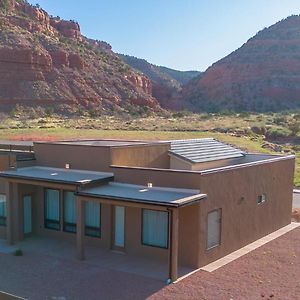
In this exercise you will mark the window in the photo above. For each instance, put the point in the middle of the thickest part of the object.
(70, 212)
(52, 209)
(92, 219)
(2, 210)
(213, 228)
(155, 228)
(261, 199)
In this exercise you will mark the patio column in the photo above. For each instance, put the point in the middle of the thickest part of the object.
(80, 228)
(12, 212)
(174, 236)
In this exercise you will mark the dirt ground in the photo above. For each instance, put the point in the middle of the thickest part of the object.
(270, 272)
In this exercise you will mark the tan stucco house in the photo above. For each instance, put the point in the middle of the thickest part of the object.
(188, 202)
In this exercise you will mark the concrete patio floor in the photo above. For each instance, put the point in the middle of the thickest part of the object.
(95, 256)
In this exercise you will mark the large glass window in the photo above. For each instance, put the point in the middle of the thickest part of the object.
(2, 210)
(213, 228)
(69, 212)
(92, 219)
(155, 228)
(52, 209)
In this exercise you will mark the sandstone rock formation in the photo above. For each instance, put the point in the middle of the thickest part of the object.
(47, 61)
(263, 75)
(166, 83)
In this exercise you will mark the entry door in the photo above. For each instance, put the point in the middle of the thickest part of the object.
(119, 227)
(27, 204)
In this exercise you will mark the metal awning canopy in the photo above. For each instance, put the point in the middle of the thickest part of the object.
(56, 175)
(169, 197)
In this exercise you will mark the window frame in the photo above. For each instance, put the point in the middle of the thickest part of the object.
(3, 219)
(65, 224)
(220, 229)
(96, 229)
(45, 210)
(168, 230)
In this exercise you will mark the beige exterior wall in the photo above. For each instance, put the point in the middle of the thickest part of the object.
(189, 237)
(148, 156)
(243, 220)
(158, 177)
(179, 164)
(79, 157)
(7, 161)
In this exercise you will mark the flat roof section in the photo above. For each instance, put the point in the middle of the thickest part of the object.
(16, 143)
(99, 143)
(203, 150)
(57, 175)
(141, 194)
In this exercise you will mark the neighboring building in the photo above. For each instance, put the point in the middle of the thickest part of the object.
(187, 202)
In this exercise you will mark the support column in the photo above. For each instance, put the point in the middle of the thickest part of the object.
(12, 212)
(174, 237)
(80, 228)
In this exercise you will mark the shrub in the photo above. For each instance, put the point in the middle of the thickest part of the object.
(277, 133)
(280, 120)
(18, 252)
(294, 127)
(259, 130)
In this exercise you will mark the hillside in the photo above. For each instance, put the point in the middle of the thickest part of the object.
(166, 82)
(262, 75)
(46, 61)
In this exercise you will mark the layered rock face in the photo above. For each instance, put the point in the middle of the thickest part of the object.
(45, 60)
(166, 83)
(263, 75)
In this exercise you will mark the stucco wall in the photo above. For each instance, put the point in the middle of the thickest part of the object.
(189, 237)
(78, 156)
(150, 156)
(243, 220)
(158, 177)
(7, 161)
(179, 164)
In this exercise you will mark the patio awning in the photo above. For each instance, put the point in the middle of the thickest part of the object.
(169, 197)
(57, 175)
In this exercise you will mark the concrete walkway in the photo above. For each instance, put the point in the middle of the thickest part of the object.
(237, 254)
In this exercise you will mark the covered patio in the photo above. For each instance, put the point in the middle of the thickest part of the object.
(95, 256)
(138, 230)
(145, 198)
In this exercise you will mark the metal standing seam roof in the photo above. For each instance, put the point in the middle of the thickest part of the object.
(136, 193)
(204, 150)
(56, 175)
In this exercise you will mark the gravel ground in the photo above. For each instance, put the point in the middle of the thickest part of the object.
(270, 272)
